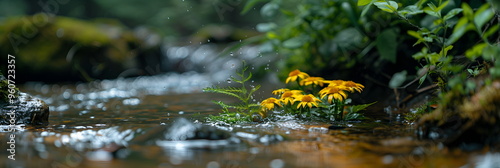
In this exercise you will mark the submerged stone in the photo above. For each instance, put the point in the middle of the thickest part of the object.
(183, 133)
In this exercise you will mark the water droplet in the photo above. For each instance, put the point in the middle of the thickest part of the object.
(168, 17)
(208, 40)
(231, 54)
(228, 80)
(181, 112)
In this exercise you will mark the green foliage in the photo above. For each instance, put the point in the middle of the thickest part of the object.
(440, 29)
(242, 110)
(318, 35)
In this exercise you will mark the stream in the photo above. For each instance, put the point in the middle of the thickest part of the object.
(108, 123)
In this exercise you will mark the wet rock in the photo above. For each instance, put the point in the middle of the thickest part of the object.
(469, 123)
(186, 134)
(29, 110)
(22, 108)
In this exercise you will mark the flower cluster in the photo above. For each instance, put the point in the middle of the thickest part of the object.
(314, 92)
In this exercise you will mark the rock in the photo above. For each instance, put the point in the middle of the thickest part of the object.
(186, 134)
(27, 109)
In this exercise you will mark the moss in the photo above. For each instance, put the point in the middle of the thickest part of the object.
(461, 121)
(67, 47)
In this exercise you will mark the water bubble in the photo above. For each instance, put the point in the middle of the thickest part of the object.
(228, 80)
(181, 112)
(231, 54)
(208, 40)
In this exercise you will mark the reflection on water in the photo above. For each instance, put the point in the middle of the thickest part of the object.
(108, 124)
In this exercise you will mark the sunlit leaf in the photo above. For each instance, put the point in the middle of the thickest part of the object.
(482, 16)
(441, 7)
(389, 6)
(459, 30)
(492, 30)
(468, 12)
(475, 51)
(364, 2)
(432, 12)
(452, 13)
(410, 10)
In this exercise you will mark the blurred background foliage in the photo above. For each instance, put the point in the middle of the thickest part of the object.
(177, 18)
(87, 40)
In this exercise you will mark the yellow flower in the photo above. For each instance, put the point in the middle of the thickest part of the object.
(269, 103)
(289, 97)
(346, 85)
(353, 86)
(292, 76)
(280, 91)
(312, 80)
(309, 100)
(335, 82)
(333, 92)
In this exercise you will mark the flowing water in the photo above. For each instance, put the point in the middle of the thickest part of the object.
(107, 124)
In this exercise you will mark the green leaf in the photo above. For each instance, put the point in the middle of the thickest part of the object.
(410, 10)
(461, 27)
(357, 108)
(482, 16)
(387, 45)
(388, 6)
(468, 12)
(422, 79)
(452, 13)
(265, 27)
(492, 30)
(442, 6)
(421, 54)
(364, 2)
(269, 10)
(491, 53)
(475, 51)
(397, 79)
(432, 12)
(444, 51)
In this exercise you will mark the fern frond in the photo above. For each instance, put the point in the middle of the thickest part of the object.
(222, 91)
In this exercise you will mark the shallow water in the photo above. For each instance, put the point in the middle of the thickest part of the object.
(96, 124)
